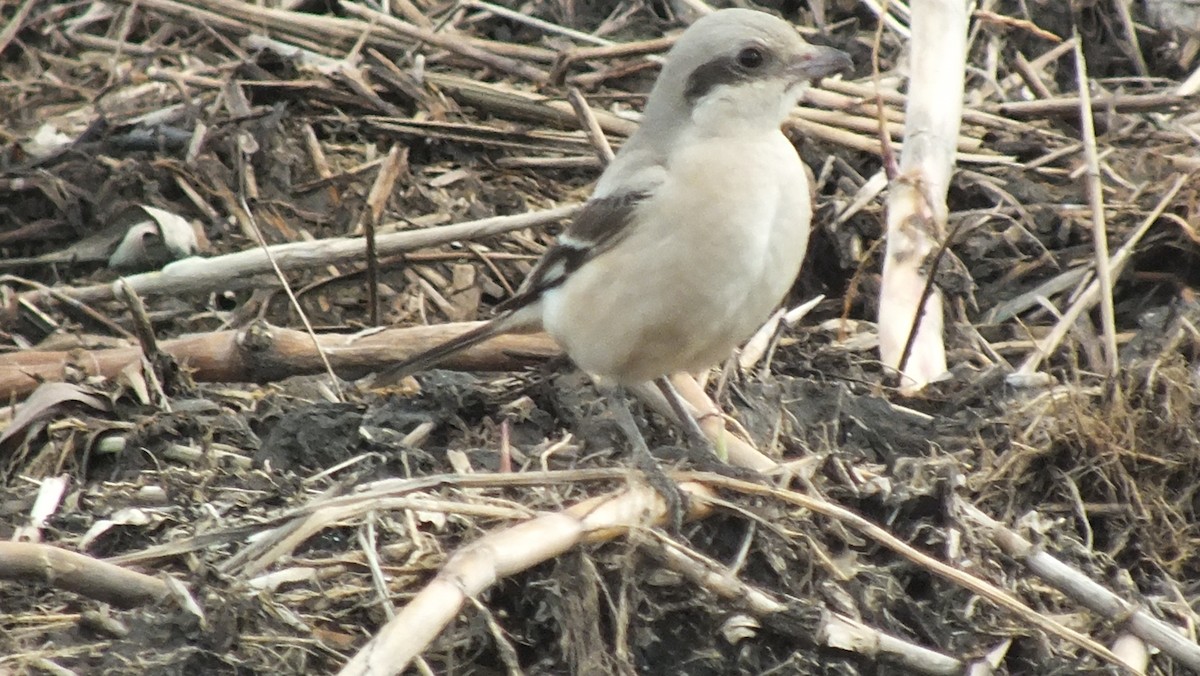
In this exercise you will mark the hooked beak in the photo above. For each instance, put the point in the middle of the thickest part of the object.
(819, 62)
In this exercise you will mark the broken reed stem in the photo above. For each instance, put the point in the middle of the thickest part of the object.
(263, 353)
(830, 629)
(238, 270)
(916, 204)
(479, 564)
(1096, 200)
(926, 293)
(1082, 588)
(377, 200)
(79, 573)
(944, 570)
(1065, 106)
(740, 452)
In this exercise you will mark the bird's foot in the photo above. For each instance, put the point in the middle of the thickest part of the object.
(676, 500)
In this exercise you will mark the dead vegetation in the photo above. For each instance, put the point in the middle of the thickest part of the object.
(186, 491)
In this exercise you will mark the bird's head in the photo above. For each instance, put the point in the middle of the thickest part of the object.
(737, 68)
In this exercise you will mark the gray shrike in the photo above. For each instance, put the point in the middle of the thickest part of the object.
(697, 228)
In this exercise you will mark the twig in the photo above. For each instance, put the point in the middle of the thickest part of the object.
(1083, 589)
(1092, 292)
(477, 565)
(537, 23)
(14, 25)
(151, 355)
(57, 294)
(287, 289)
(377, 198)
(590, 126)
(1133, 48)
(238, 270)
(1020, 24)
(1096, 200)
(978, 585)
(263, 353)
(832, 629)
(617, 51)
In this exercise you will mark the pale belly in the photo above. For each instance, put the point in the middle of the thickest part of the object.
(681, 293)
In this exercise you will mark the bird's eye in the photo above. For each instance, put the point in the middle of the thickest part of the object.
(750, 58)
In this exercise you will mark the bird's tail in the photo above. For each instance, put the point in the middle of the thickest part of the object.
(505, 323)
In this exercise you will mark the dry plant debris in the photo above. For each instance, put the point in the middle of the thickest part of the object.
(186, 490)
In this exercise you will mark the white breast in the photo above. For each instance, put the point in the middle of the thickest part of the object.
(713, 252)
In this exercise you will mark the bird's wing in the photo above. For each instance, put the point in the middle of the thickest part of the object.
(600, 225)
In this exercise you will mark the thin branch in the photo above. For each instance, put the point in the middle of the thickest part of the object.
(1096, 200)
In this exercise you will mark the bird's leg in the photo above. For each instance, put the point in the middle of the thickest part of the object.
(647, 463)
(703, 447)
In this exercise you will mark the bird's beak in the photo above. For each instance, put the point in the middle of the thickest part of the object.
(818, 62)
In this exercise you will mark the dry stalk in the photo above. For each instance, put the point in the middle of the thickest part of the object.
(538, 23)
(917, 209)
(1067, 106)
(741, 453)
(394, 164)
(1091, 294)
(830, 629)
(382, 490)
(269, 548)
(55, 294)
(478, 565)
(1104, 274)
(79, 573)
(946, 571)
(1083, 589)
(485, 135)
(867, 144)
(264, 353)
(240, 269)
(591, 126)
(503, 100)
(470, 49)
(15, 22)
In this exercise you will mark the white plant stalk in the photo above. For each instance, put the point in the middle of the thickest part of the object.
(917, 211)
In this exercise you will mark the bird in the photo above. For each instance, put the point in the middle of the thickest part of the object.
(695, 231)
